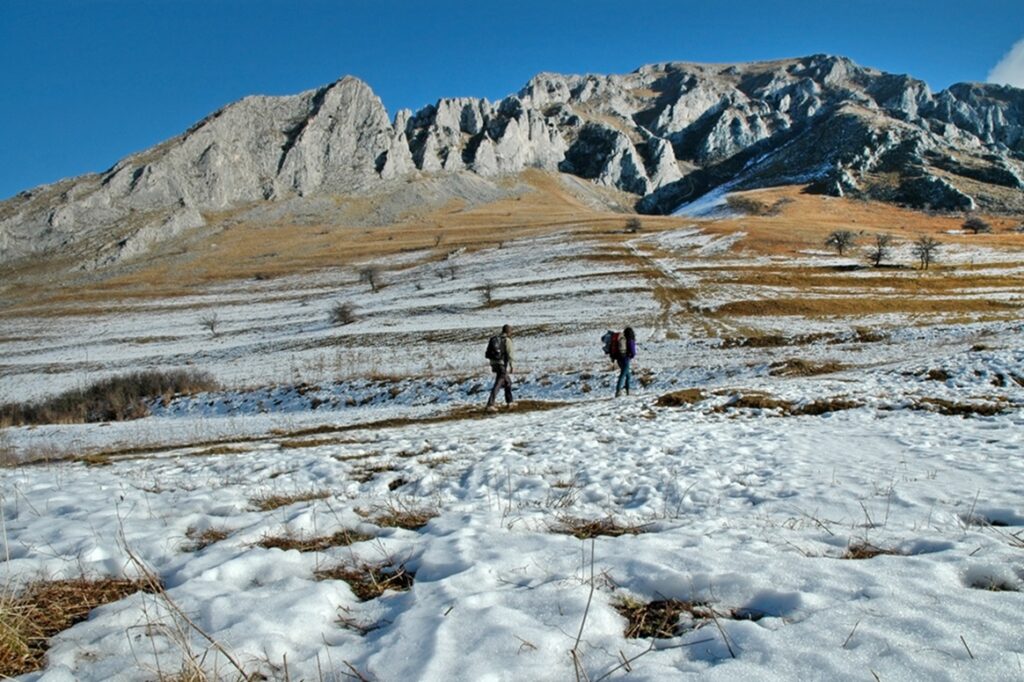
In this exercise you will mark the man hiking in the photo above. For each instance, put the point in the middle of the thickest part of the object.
(623, 354)
(500, 354)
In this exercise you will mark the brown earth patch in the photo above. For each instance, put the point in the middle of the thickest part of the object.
(369, 581)
(686, 396)
(798, 367)
(342, 538)
(585, 529)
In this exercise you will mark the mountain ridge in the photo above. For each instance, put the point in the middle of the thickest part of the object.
(666, 133)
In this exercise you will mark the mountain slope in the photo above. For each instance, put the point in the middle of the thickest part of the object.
(666, 133)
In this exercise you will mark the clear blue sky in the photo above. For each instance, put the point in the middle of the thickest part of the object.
(86, 82)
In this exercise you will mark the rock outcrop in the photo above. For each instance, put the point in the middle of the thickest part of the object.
(666, 133)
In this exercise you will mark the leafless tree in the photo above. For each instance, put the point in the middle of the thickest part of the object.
(880, 250)
(925, 249)
(487, 291)
(976, 225)
(841, 240)
(370, 275)
(209, 322)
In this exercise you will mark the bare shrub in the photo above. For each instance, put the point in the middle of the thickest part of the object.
(343, 312)
(634, 225)
(841, 241)
(487, 292)
(117, 398)
(976, 225)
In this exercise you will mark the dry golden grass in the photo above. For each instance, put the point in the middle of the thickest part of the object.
(396, 516)
(271, 501)
(369, 581)
(584, 529)
(686, 396)
(200, 539)
(866, 550)
(853, 306)
(43, 609)
(660, 619)
(342, 538)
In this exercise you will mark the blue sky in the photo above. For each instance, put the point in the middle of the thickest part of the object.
(86, 82)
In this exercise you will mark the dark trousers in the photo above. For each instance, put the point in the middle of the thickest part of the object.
(501, 380)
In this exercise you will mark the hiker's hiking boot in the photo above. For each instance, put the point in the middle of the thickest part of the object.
(491, 408)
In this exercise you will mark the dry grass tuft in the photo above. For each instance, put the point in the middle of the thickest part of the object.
(342, 538)
(866, 550)
(43, 609)
(666, 618)
(399, 517)
(116, 398)
(762, 401)
(687, 396)
(798, 367)
(661, 619)
(369, 581)
(201, 539)
(269, 502)
(592, 528)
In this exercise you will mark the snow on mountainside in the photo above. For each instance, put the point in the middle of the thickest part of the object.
(666, 133)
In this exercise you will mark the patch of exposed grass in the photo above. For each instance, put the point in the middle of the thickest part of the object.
(271, 501)
(342, 538)
(865, 550)
(369, 581)
(398, 517)
(861, 305)
(200, 539)
(667, 618)
(42, 609)
(686, 396)
(953, 408)
(368, 473)
(116, 398)
(798, 367)
(591, 528)
(755, 400)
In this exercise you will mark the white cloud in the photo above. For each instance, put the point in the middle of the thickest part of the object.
(1010, 69)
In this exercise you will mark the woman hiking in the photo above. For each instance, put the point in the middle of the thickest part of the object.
(624, 355)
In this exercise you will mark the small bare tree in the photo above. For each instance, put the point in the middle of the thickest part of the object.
(487, 292)
(976, 225)
(209, 322)
(925, 249)
(633, 225)
(343, 312)
(370, 275)
(880, 250)
(841, 240)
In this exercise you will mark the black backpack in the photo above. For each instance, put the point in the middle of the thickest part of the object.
(495, 349)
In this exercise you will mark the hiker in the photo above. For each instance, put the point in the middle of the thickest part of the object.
(623, 354)
(499, 352)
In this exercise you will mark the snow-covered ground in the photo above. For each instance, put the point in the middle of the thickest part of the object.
(748, 498)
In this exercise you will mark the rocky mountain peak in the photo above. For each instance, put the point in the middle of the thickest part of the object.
(665, 132)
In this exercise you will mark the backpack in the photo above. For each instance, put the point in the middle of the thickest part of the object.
(610, 342)
(623, 346)
(495, 349)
